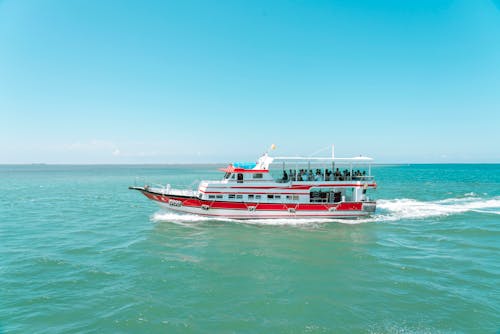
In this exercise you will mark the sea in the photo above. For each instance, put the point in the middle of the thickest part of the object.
(81, 253)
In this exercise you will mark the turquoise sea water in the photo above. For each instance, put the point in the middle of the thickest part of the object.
(82, 253)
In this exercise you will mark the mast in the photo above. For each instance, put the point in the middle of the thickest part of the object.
(333, 158)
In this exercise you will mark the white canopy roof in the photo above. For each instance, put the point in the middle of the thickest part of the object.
(360, 159)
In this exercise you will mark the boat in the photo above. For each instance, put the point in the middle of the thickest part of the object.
(277, 187)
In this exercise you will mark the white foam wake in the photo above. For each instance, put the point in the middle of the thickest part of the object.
(193, 220)
(387, 210)
(406, 208)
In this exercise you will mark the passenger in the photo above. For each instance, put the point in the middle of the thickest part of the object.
(285, 176)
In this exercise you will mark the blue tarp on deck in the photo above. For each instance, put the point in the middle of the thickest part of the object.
(244, 165)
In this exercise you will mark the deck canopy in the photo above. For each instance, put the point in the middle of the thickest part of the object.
(322, 160)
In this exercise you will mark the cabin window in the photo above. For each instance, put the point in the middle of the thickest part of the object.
(250, 196)
(257, 176)
(257, 196)
(270, 196)
(277, 196)
(233, 176)
(211, 196)
(240, 178)
(231, 196)
(219, 196)
(239, 196)
(295, 197)
(227, 175)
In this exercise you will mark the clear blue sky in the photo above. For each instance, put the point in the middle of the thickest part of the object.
(96, 81)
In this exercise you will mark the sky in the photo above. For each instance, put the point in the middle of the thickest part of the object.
(104, 81)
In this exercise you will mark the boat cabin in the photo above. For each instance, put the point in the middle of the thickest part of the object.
(293, 180)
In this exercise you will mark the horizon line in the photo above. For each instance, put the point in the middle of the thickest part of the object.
(223, 163)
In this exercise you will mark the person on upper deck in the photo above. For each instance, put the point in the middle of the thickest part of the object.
(337, 175)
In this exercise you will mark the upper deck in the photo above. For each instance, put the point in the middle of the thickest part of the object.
(300, 169)
(292, 176)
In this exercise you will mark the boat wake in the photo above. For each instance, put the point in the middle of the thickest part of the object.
(387, 210)
(194, 220)
(396, 209)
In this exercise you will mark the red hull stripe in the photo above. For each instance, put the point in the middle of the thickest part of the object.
(299, 187)
(195, 202)
(288, 215)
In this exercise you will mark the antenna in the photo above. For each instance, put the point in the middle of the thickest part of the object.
(320, 150)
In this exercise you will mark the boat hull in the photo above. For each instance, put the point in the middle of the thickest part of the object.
(254, 210)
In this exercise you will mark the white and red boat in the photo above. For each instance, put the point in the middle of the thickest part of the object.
(278, 187)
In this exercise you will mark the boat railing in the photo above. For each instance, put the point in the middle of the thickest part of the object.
(362, 178)
(215, 182)
(182, 192)
(166, 189)
(337, 178)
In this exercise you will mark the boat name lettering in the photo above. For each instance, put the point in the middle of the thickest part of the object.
(173, 202)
